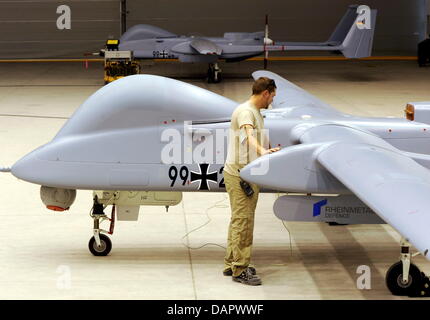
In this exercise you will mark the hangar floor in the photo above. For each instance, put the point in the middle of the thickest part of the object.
(44, 255)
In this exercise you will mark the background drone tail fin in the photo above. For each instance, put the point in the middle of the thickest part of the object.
(358, 41)
(344, 25)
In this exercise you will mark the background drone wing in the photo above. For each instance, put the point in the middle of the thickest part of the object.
(204, 46)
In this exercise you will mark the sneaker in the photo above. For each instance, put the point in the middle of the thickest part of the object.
(229, 272)
(247, 278)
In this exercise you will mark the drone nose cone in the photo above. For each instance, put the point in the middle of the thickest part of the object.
(25, 169)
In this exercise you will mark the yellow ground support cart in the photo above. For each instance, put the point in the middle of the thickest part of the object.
(118, 64)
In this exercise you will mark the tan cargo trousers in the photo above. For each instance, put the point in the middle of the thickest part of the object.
(241, 229)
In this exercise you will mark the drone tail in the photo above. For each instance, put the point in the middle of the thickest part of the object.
(355, 32)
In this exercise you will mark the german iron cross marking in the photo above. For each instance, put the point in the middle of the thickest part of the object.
(204, 176)
(164, 54)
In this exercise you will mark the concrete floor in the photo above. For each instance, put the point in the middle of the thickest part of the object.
(44, 254)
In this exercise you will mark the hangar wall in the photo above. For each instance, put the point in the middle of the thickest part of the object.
(428, 17)
(28, 28)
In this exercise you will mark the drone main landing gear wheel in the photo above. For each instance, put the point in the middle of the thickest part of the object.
(396, 284)
(214, 73)
(404, 278)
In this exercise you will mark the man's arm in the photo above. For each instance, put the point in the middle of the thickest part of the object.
(253, 142)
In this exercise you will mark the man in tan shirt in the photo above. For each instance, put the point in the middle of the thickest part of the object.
(247, 142)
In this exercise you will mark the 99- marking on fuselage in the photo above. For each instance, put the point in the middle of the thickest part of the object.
(202, 177)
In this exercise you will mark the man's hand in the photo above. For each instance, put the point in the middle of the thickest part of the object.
(271, 150)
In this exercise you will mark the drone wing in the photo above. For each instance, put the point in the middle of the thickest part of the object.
(289, 95)
(204, 46)
(388, 180)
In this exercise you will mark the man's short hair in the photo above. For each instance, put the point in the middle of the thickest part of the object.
(263, 83)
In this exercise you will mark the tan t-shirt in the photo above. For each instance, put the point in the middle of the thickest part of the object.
(239, 154)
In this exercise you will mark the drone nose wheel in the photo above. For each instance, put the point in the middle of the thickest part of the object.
(100, 250)
(100, 244)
